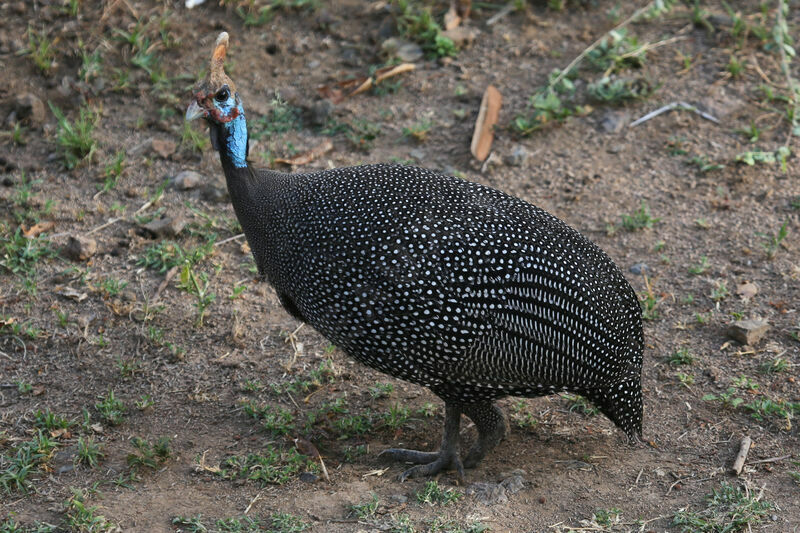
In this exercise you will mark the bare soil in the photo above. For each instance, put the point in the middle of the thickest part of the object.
(100, 325)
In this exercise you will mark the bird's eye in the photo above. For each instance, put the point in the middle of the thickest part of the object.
(223, 95)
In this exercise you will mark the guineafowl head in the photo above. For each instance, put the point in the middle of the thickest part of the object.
(216, 100)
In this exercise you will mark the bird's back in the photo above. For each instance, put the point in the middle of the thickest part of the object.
(450, 284)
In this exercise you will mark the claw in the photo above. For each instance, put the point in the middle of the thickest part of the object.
(430, 469)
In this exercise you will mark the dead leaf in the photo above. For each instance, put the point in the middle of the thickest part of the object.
(97, 428)
(72, 294)
(309, 156)
(305, 447)
(37, 229)
(451, 18)
(487, 119)
(345, 89)
(747, 290)
(60, 432)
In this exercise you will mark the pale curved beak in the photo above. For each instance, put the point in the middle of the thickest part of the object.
(194, 111)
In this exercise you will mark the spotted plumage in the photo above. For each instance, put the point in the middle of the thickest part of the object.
(442, 282)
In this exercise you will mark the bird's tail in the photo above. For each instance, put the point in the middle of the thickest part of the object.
(622, 404)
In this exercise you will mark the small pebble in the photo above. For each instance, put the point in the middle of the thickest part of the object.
(187, 179)
(518, 156)
(80, 248)
(639, 269)
(308, 477)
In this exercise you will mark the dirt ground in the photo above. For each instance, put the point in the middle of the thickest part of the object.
(697, 233)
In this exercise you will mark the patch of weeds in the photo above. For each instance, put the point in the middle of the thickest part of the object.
(720, 291)
(753, 132)
(580, 404)
(323, 374)
(237, 291)
(380, 390)
(280, 119)
(620, 89)
(145, 401)
(111, 287)
(9, 525)
(617, 51)
(23, 458)
(276, 420)
(681, 357)
(255, 13)
(193, 139)
(167, 254)
(703, 164)
(127, 367)
(91, 65)
(727, 398)
(433, 494)
(641, 219)
(353, 452)
(50, 421)
(355, 424)
(149, 455)
(361, 133)
(252, 385)
(88, 452)
(40, 50)
(773, 242)
(777, 365)
(795, 474)
(520, 415)
(401, 524)
(287, 523)
(75, 139)
(23, 387)
(396, 416)
(22, 256)
(701, 267)
(735, 66)
(750, 158)
(365, 510)
(762, 408)
(415, 22)
(728, 509)
(676, 145)
(111, 409)
(547, 105)
(687, 380)
(197, 286)
(82, 517)
(648, 302)
(113, 170)
(427, 410)
(16, 134)
(419, 131)
(274, 467)
(448, 525)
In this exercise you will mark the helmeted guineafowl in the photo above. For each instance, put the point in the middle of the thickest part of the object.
(445, 283)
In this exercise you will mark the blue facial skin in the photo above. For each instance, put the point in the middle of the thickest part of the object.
(236, 130)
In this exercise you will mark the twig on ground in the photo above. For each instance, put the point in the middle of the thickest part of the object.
(254, 500)
(229, 239)
(167, 278)
(112, 221)
(638, 13)
(741, 457)
(507, 9)
(669, 107)
(771, 459)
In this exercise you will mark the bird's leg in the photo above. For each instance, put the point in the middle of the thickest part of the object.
(492, 427)
(430, 463)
